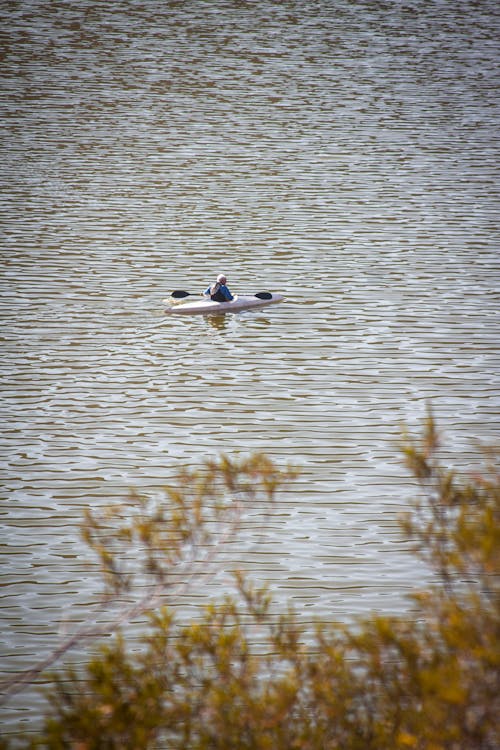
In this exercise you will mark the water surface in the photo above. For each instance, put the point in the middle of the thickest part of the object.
(342, 153)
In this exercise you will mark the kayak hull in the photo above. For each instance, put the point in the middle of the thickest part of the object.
(209, 307)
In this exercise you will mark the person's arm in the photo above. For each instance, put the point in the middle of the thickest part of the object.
(227, 294)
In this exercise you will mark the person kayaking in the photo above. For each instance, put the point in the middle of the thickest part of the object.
(219, 292)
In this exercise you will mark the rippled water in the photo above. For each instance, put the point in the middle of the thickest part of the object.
(342, 153)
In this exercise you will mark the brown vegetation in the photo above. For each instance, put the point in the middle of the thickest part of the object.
(429, 683)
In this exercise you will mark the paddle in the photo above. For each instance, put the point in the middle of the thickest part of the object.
(179, 294)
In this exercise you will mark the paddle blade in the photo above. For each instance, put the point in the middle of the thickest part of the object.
(264, 295)
(179, 294)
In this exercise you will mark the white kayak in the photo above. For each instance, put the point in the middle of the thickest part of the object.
(206, 306)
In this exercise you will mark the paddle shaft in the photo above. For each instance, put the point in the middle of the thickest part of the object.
(180, 294)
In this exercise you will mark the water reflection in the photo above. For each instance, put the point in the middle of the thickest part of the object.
(219, 322)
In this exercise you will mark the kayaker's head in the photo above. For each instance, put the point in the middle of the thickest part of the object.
(221, 279)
